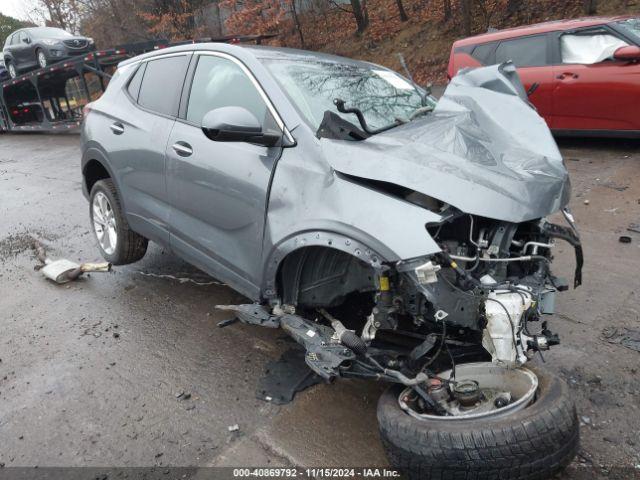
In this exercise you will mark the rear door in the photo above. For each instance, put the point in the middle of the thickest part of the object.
(593, 91)
(531, 55)
(138, 128)
(218, 190)
(21, 50)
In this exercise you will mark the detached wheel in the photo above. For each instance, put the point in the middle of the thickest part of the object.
(533, 442)
(117, 242)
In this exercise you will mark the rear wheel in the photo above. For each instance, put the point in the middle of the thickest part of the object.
(42, 58)
(534, 442)
(117, 242)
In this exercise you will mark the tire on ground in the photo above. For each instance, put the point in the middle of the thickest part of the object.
(534, 443)
(130, 246)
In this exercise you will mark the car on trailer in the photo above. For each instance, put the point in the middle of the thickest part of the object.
(37, 47)
(583, 75)
(393, 237)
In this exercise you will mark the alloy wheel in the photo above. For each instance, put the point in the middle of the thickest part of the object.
(12, 71)
(42, 59)
(104, 223)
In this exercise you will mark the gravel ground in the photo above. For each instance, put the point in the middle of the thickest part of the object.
(91, 372)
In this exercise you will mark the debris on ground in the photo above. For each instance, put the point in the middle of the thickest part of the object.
(181, 279)
(634, 227)
(183, 396)
(624, 239)
(626, 337)
(233, 428)
(63, 270)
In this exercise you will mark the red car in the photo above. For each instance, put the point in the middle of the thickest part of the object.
(583, 75)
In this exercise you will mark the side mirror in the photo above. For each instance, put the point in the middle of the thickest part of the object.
(630, 52)
(236, 124)
(26, 40)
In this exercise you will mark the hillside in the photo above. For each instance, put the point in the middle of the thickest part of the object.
(425, 38)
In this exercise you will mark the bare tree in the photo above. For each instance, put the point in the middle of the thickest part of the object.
(446, 10)
(465, 8)
(296, 22)
(359, 13)
(401, 11)
(590, 7)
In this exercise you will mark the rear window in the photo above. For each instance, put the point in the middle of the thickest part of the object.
(134, 84)
(162, 84)
(524, 52)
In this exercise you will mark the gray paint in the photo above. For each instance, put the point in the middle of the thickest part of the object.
(236, 210)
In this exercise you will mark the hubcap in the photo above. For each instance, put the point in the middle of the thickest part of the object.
(42, 60)
(12, 71)
(104, 223)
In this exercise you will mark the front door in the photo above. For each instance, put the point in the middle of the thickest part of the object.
(218, 190)
(530, 54)
(593, 91)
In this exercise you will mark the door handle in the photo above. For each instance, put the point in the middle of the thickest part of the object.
(117, 128)
(564, 75)
(182, 148)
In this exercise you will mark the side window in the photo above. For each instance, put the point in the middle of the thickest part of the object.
(524, 52)
(589, 48)
(220, 82)
(483, 53)
(134, 84)
(162, 84)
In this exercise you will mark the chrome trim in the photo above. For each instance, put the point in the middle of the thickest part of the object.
(256, 84)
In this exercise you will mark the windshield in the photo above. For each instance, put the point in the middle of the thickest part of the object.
(313, 84)
(50, 32)
(631, 26)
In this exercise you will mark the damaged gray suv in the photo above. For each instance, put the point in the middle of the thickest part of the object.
(393, 237)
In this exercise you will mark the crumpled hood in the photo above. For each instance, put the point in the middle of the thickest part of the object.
(483, 150)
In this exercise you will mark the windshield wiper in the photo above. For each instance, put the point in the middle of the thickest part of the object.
(339, 103)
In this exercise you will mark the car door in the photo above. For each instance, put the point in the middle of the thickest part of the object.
(218, 190)
(593, 91)
(138, 128)
(530, 54)
(21, 51)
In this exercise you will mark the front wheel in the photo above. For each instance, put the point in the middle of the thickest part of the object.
(42, 59)
(534, 442)
(13, 73)
(117, 242)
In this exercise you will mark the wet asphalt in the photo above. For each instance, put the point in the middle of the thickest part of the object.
(91, 372)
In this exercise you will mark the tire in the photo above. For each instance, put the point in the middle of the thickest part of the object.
(41, 57)
(533, 443)
(13, 72)
(129, 246)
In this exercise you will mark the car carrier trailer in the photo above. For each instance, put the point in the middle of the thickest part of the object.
(53, 98)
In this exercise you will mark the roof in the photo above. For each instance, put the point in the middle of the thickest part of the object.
(551, 26)
(258, 51)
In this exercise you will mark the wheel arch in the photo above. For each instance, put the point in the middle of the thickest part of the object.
(95, 167)
(314, 239)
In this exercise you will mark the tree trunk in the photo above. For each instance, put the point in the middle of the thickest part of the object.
(590, 7)
(401, 11)
(358, 14)
(296, 22)
(447, 10)
(466, 16)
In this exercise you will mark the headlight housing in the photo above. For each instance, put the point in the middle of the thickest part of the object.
(48, 41)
